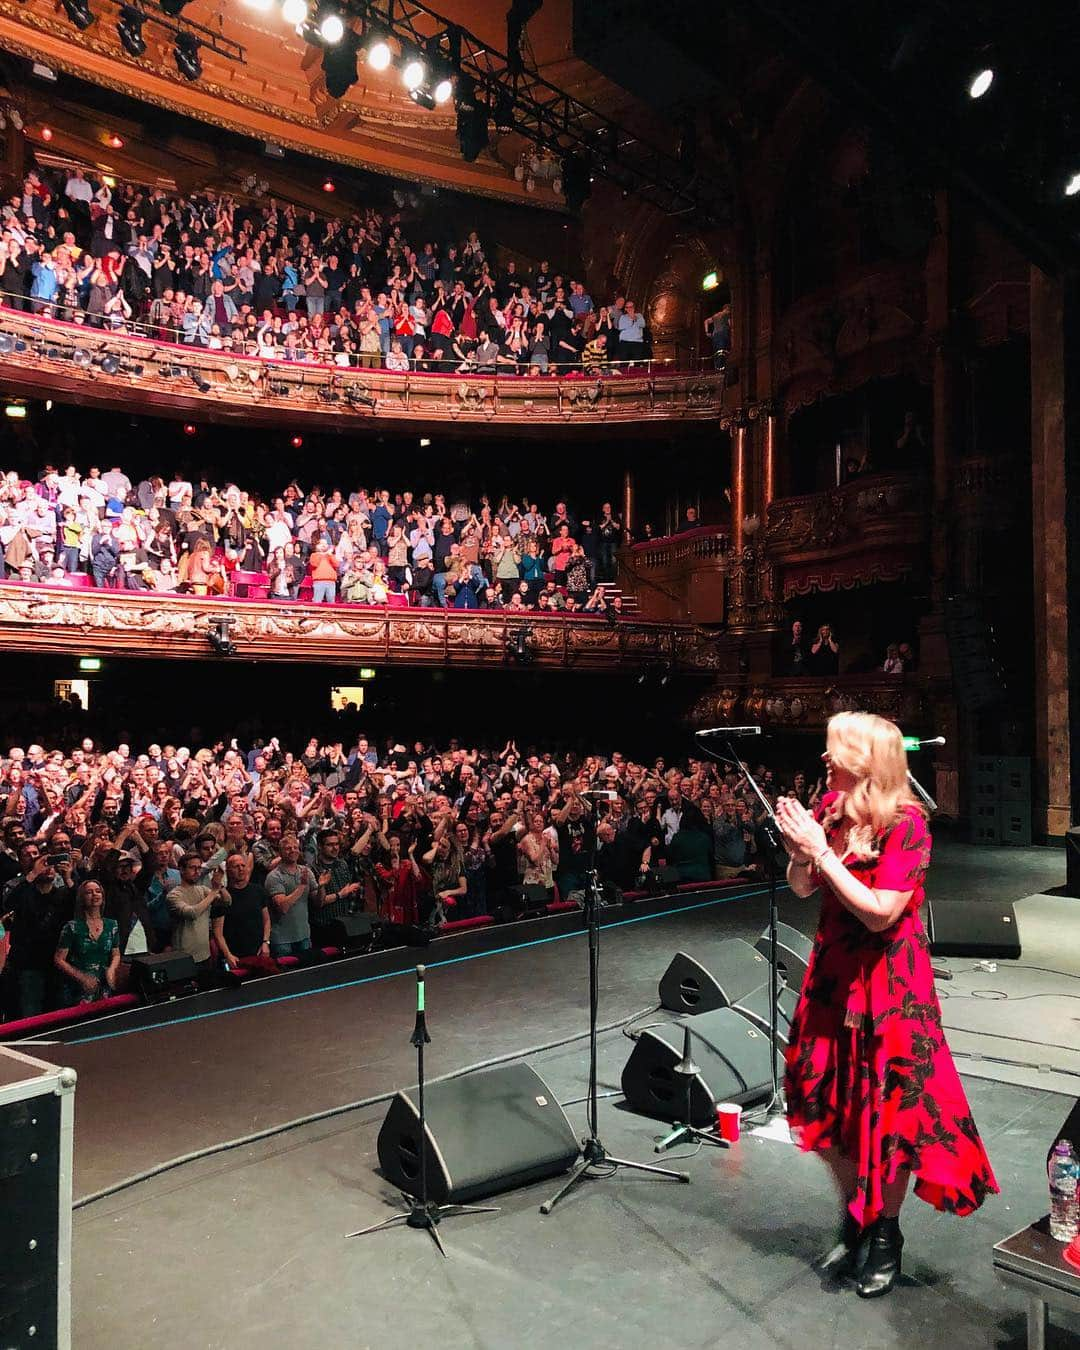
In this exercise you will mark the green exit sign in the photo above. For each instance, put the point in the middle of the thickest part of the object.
(911, 742)
(89, 665)
(367, 672)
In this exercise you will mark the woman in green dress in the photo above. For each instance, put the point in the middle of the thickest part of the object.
(88, 953)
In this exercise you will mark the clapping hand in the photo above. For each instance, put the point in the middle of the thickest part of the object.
(804, 838)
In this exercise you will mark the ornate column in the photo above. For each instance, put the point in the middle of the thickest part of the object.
(739, 572)
(1049, 497)
(628, 499)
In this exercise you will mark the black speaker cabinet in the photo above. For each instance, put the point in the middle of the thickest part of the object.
(755, 1006)
(347, 931)
(36, 1127)
(734, 971)
(792, 953)
(732, 1056)
(486, 1132)
(162, 975)
(983, 928)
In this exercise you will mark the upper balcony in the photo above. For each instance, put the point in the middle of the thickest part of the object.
(680, 578)
(45, 357)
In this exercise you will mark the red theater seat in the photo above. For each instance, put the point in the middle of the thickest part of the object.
(250, 585)
(33, 1026)
(461, 925)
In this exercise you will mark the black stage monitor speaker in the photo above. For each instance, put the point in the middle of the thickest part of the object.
(349, 931)
(486, 1132)
(735, 970)
(162, 975)
(792, 953)
(985, 928)
(732, 1056)
(755, 1006)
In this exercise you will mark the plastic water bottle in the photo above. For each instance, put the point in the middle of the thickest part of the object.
(1064, 1173)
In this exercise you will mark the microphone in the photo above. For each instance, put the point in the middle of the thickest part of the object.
(913, 742)
(728, 732)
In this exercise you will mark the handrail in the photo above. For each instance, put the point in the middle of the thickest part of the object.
(163, 335)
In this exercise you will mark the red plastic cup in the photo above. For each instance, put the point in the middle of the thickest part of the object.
(728, 1121)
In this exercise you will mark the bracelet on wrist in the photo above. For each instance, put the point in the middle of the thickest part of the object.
(818, 856)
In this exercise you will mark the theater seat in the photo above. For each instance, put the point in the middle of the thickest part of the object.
(560, 906)
(461, 925)
(249, 585)
(75, 581)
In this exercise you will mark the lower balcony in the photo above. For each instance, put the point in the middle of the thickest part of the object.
(43, 618)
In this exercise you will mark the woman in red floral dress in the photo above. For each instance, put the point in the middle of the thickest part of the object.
(870, 1083)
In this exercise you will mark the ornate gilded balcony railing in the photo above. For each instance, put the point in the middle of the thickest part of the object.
(808, 701)
(44, 618)
(875, 528)
(44, 356)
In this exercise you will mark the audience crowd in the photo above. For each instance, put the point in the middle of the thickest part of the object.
(270, 280)
(360, 547)
(238, 856)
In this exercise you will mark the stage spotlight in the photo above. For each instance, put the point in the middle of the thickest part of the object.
(263, 6)
(422, 98)
(82, 358)
(129, 26)
(328, 185)
(218, 636)
(186, 55)
(172, 7)
(110, 363)
(710, 281)
(980, 82)
(379, 54)
(294, 12)
(577, 181)
(472, 120)
(199, 381)
(46, 133)
(502, 113)
(80, 14)
(413, 73)
(358, 396)
(339, 65)
(517, 645)
(444, 90)
(1072, 186)
(116, 142)
(332, 27)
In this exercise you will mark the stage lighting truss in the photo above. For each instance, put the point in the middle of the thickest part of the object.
(189, 37)
(439, 61)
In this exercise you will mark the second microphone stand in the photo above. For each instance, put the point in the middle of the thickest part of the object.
(593, 1152)
(771, 829)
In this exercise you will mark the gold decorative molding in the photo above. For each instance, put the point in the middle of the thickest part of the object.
(807, 702)
(136, 623)
(333, 396)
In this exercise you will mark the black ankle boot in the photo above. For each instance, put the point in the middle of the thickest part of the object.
(845, 1256)
(882, 1266)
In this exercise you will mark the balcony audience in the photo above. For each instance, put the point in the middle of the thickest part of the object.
(240, 857)
(267, 279)
(336, 546)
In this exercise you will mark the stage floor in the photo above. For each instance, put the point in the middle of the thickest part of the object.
(247, 1248)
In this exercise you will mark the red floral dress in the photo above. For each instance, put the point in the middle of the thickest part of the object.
(868, 1070)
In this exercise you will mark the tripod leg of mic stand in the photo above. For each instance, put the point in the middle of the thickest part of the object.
(677, 1135)
(648, 1167)
(571, 1181)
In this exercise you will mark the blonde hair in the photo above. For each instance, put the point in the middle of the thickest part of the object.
(872, 750)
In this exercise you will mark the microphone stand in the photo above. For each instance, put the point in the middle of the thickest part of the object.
(593, 1153)
(420, 1211)
(771, 829)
